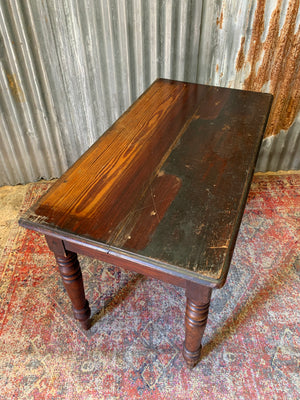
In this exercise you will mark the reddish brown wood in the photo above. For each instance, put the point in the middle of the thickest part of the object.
(142, 266)
(150, 211)
(70, 271)
(122, 164)
(197, 307)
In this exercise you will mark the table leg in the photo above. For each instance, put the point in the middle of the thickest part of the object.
(70, 271)
(197, 306)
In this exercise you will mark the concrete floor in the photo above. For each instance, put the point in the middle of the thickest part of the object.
(11, 199)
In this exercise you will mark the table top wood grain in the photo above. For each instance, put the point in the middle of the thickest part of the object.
(167, 183)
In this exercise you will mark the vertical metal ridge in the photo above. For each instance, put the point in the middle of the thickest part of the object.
(11, 85)
(35, 99)
(82, 49)
(98, 68)
(48, 110)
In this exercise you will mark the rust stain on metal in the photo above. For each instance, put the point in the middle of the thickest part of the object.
(240, 61)
(220, 20)
(278, 58)
(256, 46)
(17, 92)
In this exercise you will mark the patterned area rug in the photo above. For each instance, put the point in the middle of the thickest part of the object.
(133, 350)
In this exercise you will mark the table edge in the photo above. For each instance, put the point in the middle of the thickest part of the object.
(125, 255)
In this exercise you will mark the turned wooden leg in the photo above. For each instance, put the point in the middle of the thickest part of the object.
(70, 271)
(197, 306)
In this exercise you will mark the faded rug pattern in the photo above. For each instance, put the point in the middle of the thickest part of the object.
(133, 350)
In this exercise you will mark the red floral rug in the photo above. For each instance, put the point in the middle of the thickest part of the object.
(133, 350)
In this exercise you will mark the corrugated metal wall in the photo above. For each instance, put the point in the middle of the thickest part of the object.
(69, 68)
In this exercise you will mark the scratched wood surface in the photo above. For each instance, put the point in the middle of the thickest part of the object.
(168, 180)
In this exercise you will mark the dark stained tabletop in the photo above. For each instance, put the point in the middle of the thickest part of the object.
(167, 183)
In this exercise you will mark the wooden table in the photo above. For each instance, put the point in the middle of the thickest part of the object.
(162, 193)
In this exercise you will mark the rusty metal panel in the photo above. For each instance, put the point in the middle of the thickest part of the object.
(31, 140)
(69, 68)
(256, 46)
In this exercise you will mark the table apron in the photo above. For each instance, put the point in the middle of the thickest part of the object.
(126, 264)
